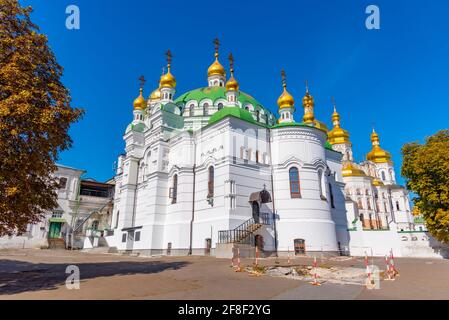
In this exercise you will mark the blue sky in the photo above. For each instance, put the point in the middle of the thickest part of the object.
(396, 78)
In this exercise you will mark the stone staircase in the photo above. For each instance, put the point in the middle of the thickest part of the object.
(244, 233)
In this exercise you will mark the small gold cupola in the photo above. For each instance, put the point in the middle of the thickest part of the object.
(232, 84)
(156, 94)
(337, 135)
(216, 68)
(140, 103)
(167, 79)
(308, 103)
(285, 100)
(377, 154)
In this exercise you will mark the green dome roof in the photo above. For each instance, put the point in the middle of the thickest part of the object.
(215, 93)
(233, 112)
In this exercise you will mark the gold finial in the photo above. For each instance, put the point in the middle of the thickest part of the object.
(169, 58)
(217, 46)
(284, 79)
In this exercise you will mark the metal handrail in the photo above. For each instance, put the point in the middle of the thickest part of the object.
(243, 233)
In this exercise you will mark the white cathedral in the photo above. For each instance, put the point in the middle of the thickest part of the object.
(212, 170)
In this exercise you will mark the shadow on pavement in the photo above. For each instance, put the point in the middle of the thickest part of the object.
(19, 276)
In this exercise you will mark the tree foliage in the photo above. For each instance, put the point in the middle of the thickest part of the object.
(35, 115)
(426, 168)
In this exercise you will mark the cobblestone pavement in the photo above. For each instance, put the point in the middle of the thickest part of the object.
(41, 274)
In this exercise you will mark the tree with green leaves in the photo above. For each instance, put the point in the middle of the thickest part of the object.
(426, 170)
(35, 115)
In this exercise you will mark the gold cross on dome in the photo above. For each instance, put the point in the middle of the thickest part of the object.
(231, 62)
(217, 46)
(169, 56)
(284, 78)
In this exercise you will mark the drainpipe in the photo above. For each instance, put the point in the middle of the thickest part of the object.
(193, 196)
(272, 197)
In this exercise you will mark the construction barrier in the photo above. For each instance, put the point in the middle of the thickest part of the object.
(315, 277)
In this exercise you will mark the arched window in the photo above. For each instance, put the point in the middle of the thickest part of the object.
(174, 197)
(397, 206)
(191, 109)
(257, 156)
(210, 183)
(383, 175)
(266, 118)
(247, 108)
(321, 184)
(295, 191)
(332, 195)
(206, 109)
(258, 115)
(220, 106)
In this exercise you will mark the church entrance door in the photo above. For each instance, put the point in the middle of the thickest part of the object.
(256, 211)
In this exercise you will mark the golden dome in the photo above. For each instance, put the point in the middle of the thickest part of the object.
(337, 135)
(308, 103)
(216, 69)
(349, 170)
(285, 100)
(140, 102)
(155, 95)
(377, 183)
(232, 84)
(168, 80)
(377, 154)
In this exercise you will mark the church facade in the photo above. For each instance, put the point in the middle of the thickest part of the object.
(212, 169)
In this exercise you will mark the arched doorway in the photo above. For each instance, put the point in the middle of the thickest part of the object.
(256, 211)
(259, 242)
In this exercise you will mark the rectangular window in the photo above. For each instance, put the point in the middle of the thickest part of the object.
(124, 237)
(137, 236)
(62, 183)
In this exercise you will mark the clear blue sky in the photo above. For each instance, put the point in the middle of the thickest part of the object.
(395, 78)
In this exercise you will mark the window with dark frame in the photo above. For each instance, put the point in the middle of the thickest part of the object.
(124, 237)
(295, 191)
(62, 183)
(175, 189)
(332, 196)
(210, 184)
(137, 236)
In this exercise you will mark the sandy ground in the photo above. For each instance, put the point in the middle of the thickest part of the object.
(40, 274)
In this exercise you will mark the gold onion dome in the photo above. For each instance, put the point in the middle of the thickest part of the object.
(140, 102)
(285, 100)
(377, 154)
(232, 84)
(167, 79)
(349, 170)
(216, 68)
(337, 134)
(156, 94)
(308, 103)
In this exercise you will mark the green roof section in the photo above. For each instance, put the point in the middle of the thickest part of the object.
(328, 146)
(139, 127)
(215, 93)
(235, 112)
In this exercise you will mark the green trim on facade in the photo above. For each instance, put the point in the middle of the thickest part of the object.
(415, 231)
(57, 220)
(139, 127)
